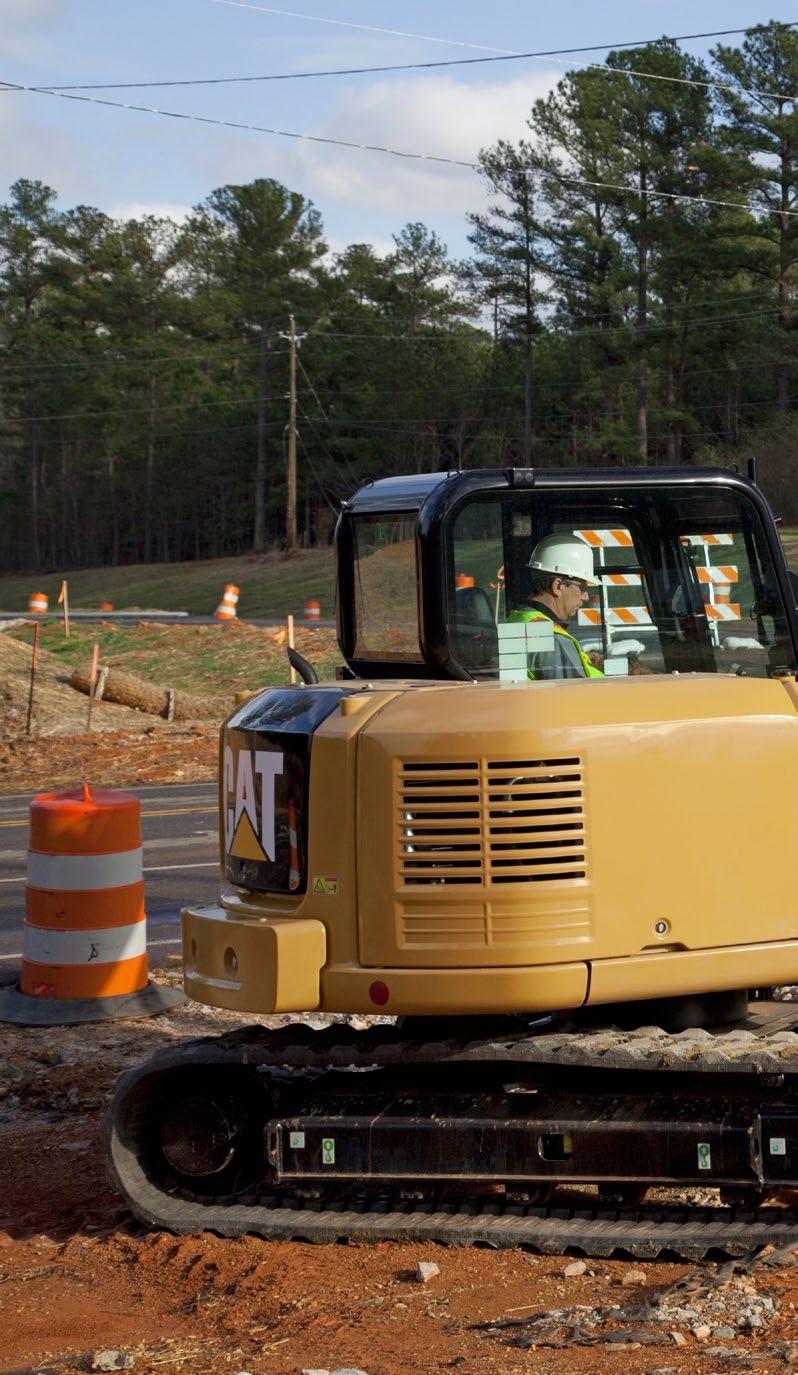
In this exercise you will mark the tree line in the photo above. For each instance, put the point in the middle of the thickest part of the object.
(628, 298)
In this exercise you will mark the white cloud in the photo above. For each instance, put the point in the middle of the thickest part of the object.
(338, 243)
(437, 116)
(25, 27)
(136, 210)
(37, 151)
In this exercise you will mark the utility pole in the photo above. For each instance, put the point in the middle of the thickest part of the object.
(290, 505)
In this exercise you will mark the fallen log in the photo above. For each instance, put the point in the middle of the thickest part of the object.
(129, 691)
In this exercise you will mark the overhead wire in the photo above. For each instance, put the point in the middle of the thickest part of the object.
(558, 415)
(153, 360)
(387, 68)
(509, 54)
(630, 328)
(315, 395)
(432, 158)
(335, 509)
(506, 52)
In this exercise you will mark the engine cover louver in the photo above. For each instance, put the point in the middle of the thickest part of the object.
(491, 822)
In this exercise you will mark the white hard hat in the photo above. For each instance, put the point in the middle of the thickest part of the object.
(564, 555)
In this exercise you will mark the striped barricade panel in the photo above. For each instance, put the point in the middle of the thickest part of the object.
(721, 573)
(707, 539)
(606, 539)
(615, 615)
(640, 615)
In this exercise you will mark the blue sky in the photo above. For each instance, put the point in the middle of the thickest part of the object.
(127, 163)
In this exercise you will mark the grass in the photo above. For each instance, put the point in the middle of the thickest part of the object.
(272, 585)
(200, 659)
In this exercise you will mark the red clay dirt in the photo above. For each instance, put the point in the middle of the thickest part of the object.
(111, 759)
(79, 1275)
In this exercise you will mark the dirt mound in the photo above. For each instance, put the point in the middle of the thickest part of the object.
(57, 708)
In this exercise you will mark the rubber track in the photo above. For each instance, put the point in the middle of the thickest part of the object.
(645, 1233)
(756, 1049)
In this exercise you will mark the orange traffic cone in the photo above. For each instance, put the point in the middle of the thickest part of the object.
(226, 610)
(85, 933)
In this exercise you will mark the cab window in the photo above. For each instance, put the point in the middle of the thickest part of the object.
(685, 581)
(386, 583)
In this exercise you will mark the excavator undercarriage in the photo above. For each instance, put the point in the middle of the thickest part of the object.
(492, 1139)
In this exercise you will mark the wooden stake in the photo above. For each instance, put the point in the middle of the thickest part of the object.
(34, 659)
(63, 597)
(292, 670)
(92, 683)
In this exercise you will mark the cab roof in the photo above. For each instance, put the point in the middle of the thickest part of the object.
(411, 492)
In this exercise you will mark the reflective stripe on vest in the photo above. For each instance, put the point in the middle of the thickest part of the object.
(590, 670)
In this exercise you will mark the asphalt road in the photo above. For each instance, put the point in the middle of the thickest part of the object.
(179, 830)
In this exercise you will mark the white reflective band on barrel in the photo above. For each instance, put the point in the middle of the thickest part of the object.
(106, 946)
(75, 873)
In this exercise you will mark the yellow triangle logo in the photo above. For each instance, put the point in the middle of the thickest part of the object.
(245, 843)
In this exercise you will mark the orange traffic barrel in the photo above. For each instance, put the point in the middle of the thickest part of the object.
(226, 610)
(464, 580)
(106, 606)
(38, 603)
(84, 946)
(312, 609)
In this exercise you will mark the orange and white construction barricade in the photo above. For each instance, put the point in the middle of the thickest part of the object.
(38, 603)
(226, 610)
(718, 579)
(84, 946)
(312, 609)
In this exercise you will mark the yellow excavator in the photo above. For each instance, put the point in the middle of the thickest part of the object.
(539, 829)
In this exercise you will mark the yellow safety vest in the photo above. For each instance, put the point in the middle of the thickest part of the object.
(533, 615)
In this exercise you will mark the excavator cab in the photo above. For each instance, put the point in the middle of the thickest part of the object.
(689, 574)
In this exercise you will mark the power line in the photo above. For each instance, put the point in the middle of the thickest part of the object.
(335, 509)
(629, 328)
(562, 414)
(367, 28)
(315, 395)
(545, 384)
(500, 55)
(153, 360)
(236, 124)
(379, 148)
(141, 410)
(506, 52)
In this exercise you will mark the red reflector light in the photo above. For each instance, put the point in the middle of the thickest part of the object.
(378, 992)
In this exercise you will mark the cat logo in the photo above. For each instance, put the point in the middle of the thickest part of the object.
(249, 828)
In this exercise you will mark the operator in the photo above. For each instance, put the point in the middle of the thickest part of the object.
(561, 574)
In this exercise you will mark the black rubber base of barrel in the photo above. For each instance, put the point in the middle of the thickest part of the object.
(25, 1010)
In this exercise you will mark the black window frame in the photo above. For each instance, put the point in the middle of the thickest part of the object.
(435, 500)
